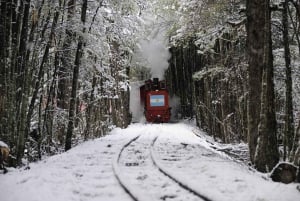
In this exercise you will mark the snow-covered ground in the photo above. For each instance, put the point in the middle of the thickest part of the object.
(86, 171)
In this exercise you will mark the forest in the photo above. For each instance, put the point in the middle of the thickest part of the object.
(66, 69)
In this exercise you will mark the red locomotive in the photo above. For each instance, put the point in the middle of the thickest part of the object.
(155, 98)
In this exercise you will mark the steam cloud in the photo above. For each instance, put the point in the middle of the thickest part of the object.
(155, 52)
(136, 108)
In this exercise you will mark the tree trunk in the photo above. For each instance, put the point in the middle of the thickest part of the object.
(5, 47)
(89, 109)
(65, 70)
(296, 158)
(289, 117)
(267, 154)
(22, 85)
(72, 109)
(255, 48)
(296, 28)
(78, 57)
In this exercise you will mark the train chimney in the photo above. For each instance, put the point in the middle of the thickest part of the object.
(155, 84)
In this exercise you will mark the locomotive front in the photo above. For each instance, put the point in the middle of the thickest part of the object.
(155, 98)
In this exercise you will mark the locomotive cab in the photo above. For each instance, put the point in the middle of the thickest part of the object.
(155, 98)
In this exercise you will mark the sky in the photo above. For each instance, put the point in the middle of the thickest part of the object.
(86, 172)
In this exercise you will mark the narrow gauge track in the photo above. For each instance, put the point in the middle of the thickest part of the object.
(137, 171)
(168, 174)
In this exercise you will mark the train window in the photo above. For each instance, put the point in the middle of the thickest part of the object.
(157, 100)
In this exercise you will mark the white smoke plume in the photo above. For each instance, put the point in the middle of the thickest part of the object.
(155, 54)
(136, 108)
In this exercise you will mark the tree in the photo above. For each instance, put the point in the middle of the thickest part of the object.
(22, 70)
(78, 57)
(5, 46)
(262, 137)
(289, 115)
(67, 58)
(255, 47)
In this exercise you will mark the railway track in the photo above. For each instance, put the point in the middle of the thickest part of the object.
(141, 175)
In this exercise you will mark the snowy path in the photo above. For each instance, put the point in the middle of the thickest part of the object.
(85, 173)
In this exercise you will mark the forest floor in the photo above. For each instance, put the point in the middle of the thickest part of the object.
(139, 158)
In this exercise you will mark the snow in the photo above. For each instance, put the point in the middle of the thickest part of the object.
(86, 171)
(3, 144)
(208, 72)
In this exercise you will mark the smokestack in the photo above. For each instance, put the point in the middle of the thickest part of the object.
(155, 84)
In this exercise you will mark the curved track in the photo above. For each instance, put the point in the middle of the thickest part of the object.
(171, 176)
(141, 175)
(119, 176)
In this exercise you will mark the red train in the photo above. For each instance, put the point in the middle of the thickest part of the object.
(155, 98)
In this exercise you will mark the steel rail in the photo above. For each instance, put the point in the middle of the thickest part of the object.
(180, 183)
